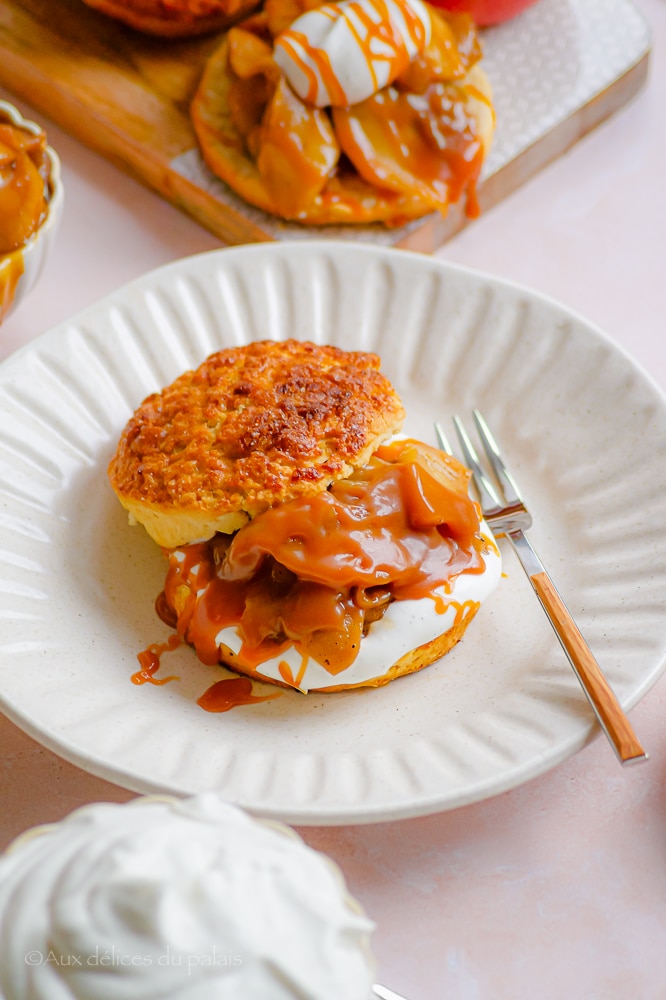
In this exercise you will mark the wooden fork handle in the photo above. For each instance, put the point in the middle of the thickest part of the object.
(606, 707)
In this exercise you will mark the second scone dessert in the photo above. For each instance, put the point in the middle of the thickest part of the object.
(347, 112)
(304, 547)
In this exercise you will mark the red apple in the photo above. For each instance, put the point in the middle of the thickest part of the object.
(485, 11)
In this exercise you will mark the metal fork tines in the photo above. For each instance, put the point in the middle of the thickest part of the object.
(506, 514)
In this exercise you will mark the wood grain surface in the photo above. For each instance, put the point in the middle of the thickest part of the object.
(127, 96)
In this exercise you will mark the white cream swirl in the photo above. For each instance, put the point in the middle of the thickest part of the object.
(341, 53)
(181, 900)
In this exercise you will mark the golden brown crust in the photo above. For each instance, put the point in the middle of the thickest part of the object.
(175, 18)
(415, 660)
(346, 197)
(253, 426)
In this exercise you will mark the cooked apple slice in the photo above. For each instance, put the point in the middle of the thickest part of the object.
(430, 145)
(452, 51)
(297, 153)
(249, 55)
(280, 14)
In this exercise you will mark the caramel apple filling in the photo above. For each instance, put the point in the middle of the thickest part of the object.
(421, 144)
(315, 572)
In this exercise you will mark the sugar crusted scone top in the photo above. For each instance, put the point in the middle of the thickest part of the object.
(253, 426)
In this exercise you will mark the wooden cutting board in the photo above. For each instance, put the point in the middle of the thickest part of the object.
(557, 71)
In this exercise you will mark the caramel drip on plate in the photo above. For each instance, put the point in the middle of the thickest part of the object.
(229, 693)
(149, 660)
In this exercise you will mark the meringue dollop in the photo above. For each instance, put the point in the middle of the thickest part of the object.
(182, 899)
(339, 54)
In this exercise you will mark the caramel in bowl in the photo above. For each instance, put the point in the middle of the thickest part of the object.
(31, 199)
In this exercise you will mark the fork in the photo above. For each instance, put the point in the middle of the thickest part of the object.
(384, 993)
(506, 514)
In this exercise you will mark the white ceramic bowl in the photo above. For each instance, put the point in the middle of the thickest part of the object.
(23, 267)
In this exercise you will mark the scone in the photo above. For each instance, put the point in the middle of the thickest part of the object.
(303, 548)
(175, 18)
(347, 112)
(252, 427)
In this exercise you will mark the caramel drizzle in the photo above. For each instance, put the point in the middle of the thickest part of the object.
(322, 66)
(462, 609)
(11, 270)
(287, 674)
(149, 660)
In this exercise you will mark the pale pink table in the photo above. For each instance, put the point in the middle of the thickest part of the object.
(557, 889)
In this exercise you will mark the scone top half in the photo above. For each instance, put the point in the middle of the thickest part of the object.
(252, 427)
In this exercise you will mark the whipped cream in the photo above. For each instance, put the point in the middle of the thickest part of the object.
(341, 53)
(181, 900)
(405, 626)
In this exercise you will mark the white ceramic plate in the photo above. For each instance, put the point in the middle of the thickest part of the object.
(582, 427)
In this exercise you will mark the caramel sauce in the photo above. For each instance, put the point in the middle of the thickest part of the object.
(463, 610)
(149, 660)
(307, 572)
(11, 269)
(23, 186)
(380, 38)
(289, 42)
(472, 206)
(287, 674)
(227, 694)
(24, 193)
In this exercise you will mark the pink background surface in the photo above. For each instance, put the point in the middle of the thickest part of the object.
(558, 888)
